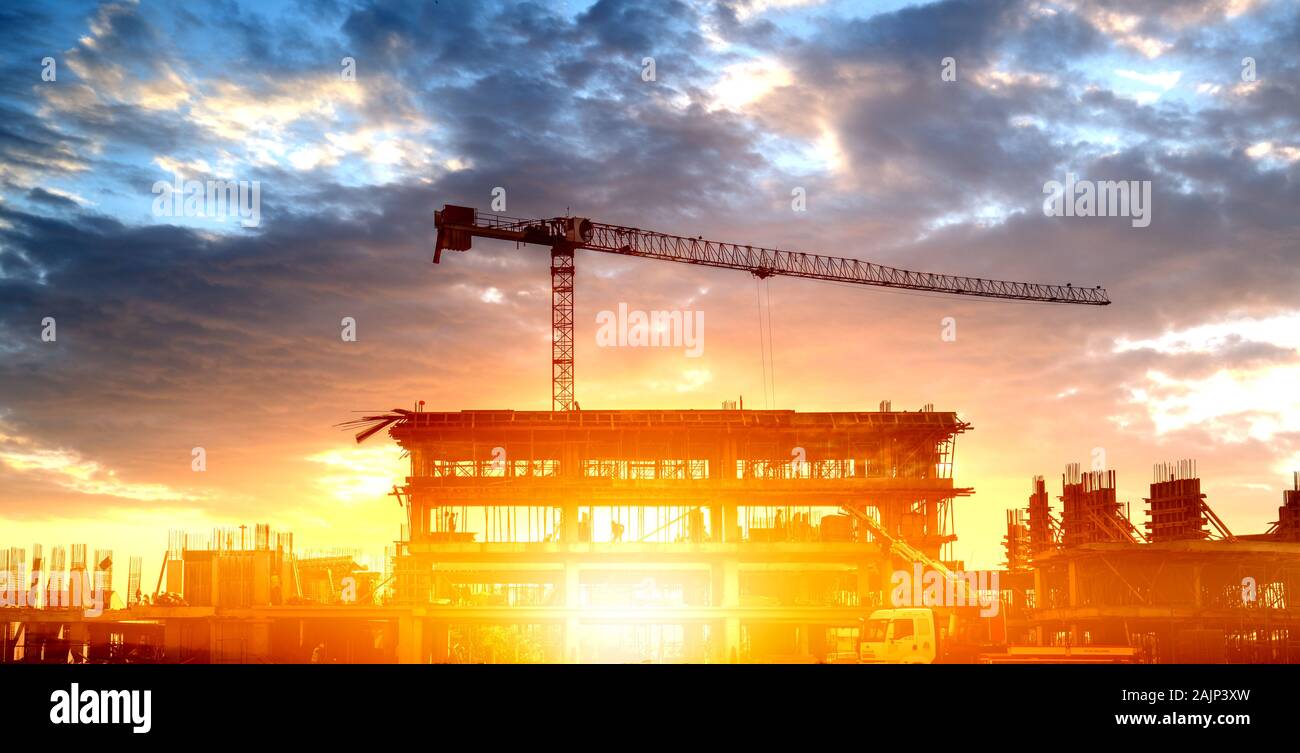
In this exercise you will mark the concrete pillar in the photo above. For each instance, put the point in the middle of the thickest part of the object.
(693, 639)
(215, 632)
(572, 602)
(731, 640)
(173, 641)
(730, 599)
(78, 635)
(440, 640)
(1040, 603)
(729, 531)
(571, 644)
(215, 577)
(569, 523)
(1076, 634)
(572, 585)
(410, 640)
(866, 594)
(727, 583)
(259, 641)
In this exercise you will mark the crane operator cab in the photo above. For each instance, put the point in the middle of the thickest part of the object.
(578, 230)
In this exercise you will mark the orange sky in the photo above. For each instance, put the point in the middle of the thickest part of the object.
(176, 332)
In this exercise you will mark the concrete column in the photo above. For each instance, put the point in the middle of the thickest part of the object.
(216, 629)
(866, 595)
(730, 587)
(259, 641)
(440, 638)
(571, 644)
(78, 634)
(1040, 603)
(572, 601)
(693, 635)
(731, 532)
(1076, 635)
(729, 592)
(410, 640)
(173, 641)
(731, 640)
(569, 524)
(572, 585)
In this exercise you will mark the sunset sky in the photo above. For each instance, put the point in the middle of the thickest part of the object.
(183, 332)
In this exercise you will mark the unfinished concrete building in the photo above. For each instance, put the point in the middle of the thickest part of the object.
(1189, 590)
(660, 535)
(236, 595)
(1287, 525)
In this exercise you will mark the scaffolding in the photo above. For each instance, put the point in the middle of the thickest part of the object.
(711, 535)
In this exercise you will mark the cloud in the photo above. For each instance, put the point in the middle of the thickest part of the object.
(173, 334)
(358, 475)
(69, 470)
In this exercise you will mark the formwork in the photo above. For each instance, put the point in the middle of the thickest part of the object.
(660, 535)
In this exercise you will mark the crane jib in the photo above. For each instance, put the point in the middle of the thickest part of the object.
(457, 227)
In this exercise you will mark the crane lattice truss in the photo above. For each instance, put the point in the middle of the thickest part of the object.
(458, 226)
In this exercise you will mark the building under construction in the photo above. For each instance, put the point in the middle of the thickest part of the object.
(693, 536)
(724, 535)
(229, 596)
(704, 536)
(1186, 589)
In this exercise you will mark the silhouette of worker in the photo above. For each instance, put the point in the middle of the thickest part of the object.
(615, 531)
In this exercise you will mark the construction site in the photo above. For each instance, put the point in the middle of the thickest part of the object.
(680, 536)
(1183, 588)
(723, 536)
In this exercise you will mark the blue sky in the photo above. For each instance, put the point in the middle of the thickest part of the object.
(177, 331)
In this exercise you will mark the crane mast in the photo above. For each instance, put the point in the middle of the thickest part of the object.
(457, 226)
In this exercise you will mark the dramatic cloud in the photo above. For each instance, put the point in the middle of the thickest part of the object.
(358, 119)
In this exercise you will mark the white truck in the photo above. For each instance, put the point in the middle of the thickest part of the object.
(912, 635)
(899, 636)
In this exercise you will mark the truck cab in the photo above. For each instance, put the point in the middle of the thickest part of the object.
(899, 636)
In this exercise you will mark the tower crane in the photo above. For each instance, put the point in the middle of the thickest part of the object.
(457, 226)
